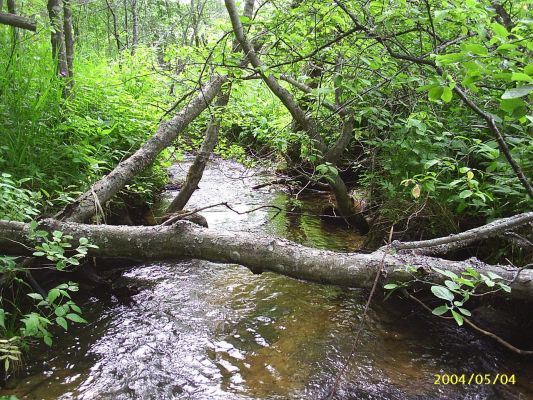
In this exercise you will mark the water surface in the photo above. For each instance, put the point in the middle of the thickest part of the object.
(198, 330)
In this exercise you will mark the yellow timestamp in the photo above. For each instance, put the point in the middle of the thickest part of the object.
(474, 379)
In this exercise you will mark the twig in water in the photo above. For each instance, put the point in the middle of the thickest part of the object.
(179, 217)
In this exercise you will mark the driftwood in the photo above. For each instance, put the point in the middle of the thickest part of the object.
(259, 253)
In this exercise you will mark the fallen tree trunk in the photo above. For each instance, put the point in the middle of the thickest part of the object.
(447, 244)
(308, 124)
(259, 253)
(196, 170)
(88, 203)
(18, 22)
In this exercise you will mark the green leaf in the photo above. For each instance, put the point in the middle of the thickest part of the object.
(451, 285)
(504, 287)
(35, 296)
(517, 92)
(447, 94)
(48, 340)
(449, 274)
(458, 318)
(442, 293)
(62, 322)
(466, 282)
(493, 276)
(528, 69)
(499, 30)
(430, 163)
(60, 311)
(53, 295)
(435, 93)
(75, 318)
(450, 58)
(509, 105)
(464, 311)
(518, 76)
(2, 318)
(471, 272)
(440, 310)
(390, 286)
(465, 194)
(475, 48)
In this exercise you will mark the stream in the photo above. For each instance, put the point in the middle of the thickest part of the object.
(198, 330)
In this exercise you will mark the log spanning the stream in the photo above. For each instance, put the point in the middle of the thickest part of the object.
(259, 253)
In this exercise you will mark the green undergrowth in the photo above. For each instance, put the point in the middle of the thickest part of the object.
(59, 147)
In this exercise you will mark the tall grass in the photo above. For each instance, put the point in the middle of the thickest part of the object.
(63, 145)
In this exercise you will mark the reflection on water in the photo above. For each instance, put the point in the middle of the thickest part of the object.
(198, 330)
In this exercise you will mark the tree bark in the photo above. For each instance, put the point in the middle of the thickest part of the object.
(69, 39)
(134, 26)
(17, 21)
(344, 203)
(55, 12)
(99, 193)
(126, 33)
(444, 245)
(115, 27)
(11, 8)
(196, 170)
(259, 253)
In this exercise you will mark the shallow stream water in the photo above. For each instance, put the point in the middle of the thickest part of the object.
(198, 330)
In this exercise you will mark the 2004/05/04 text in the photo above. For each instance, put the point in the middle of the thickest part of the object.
(474, 379)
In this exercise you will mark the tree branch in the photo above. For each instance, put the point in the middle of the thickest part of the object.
(453, 242)
(18, 21)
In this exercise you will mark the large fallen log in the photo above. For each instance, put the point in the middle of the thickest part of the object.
(17, 21)
(259, 253)
(88, 203)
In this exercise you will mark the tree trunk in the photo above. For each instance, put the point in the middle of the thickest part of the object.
(115, 27)
(259, 253)
(134, 26)
(196, 170)
(306, 123)
(11, 8)
(69, 39)
(99, 193)
(55, 12)
(126, 23)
